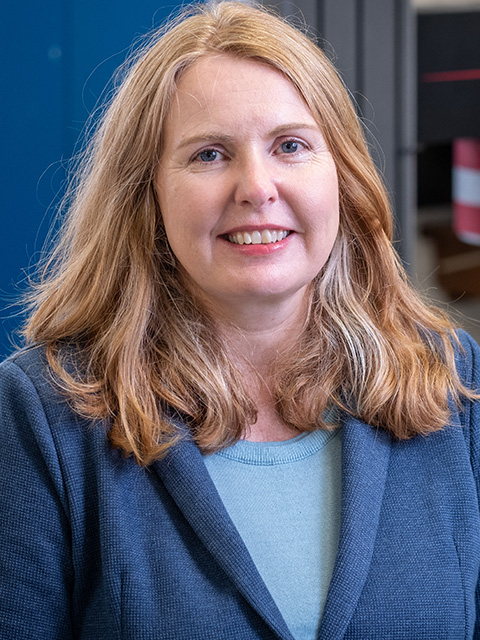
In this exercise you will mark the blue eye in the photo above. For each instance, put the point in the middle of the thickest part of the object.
(289, 146)
(208, 155)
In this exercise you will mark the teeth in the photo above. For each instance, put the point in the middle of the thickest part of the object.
(266, 236)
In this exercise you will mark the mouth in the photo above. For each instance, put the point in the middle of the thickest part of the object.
(266, 236)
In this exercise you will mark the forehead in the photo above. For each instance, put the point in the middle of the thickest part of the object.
(225, 88)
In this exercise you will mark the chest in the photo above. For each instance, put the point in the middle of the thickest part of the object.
(166, 561)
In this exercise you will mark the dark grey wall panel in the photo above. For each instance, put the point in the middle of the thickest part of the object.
(377, 82)
(449, 81)
(338, 23)
(405, 158)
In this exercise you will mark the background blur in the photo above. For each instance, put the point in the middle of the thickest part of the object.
(59, 57)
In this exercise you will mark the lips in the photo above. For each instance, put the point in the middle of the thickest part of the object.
(266, 236)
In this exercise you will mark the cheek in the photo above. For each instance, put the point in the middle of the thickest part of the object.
(177, 236)
(331, 205)
(188, 235)
(320, 184)
(191, 207)
(175, 228)
(323, 207)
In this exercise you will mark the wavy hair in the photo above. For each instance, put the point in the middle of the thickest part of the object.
(127, 342)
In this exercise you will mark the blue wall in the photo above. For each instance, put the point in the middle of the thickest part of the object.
(57, 58)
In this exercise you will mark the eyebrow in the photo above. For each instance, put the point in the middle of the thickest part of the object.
(204, 138)
(226, 139)
(283, 128)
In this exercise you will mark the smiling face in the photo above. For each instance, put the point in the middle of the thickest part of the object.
(247, 187)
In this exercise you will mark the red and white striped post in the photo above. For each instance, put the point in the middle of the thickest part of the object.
(466, 190)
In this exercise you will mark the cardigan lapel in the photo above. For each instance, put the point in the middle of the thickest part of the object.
(365, 457)
(185, 476)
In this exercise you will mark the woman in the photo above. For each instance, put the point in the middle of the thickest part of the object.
(235, 418)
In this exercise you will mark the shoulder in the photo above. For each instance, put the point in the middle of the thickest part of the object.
(36, 416)
(26, 381)
(468, 360)
(29, 361)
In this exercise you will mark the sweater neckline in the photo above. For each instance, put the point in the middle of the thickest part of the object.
(281, 452)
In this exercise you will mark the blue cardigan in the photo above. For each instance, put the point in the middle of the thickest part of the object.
(94, 547)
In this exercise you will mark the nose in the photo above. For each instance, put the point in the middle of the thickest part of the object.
(256, 182)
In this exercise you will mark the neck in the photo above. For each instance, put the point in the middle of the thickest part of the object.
(255, 337)
(258, 333)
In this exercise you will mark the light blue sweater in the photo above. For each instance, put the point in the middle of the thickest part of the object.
(284, 499)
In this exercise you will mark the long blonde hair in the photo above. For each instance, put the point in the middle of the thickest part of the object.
(127, 343)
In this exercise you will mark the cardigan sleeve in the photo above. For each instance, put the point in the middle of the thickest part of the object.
(471, 377)
(35, 557)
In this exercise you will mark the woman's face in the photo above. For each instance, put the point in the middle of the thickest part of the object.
(247, 187)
